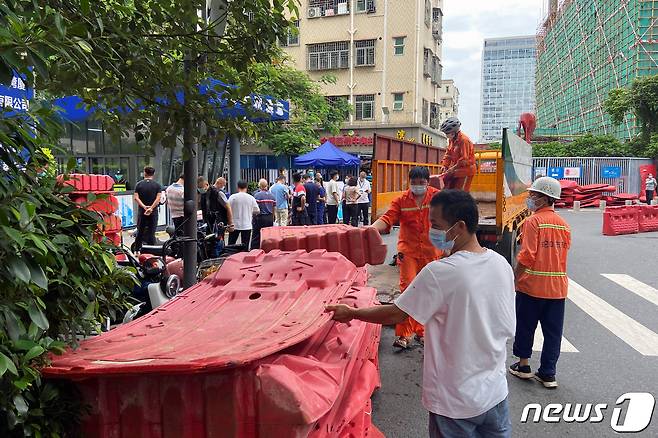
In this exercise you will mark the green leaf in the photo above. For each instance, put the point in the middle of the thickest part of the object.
(14, 235)
(84, 45)
(24, 344)
(20, 404)
(18, 267)
(89, 310)
(38, 242)
(38, 276)
(109, 262)
(59, 25)
(38, 63)
(35, 351)
(37, 316)
(6, 364)
(84, 5)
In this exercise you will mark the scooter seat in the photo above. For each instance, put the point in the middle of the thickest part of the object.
(152, 249)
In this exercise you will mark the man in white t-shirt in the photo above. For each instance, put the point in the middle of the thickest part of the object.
(244, 207)
(466, 302)
(333, 197)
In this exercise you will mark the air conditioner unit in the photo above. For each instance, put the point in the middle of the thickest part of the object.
(314, 12)
(342, 8)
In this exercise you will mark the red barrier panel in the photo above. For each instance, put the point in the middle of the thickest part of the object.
(620, 220)
(319, 387)
(360, 245)
(88, 183)
(283, 294)
(104, 203)
(648, 218)
(112, 223)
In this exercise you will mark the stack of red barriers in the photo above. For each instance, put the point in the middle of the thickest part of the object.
(630, 219)
(248, 352)
(588, 195)
(103, 200)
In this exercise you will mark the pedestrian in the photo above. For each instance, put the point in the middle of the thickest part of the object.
(265, 218)
(322, 200)
(312, 192)
(220, 184)
(217, 211)
(299, 213)
(147, 196)
(466, 302)
(650, 187)
(243, 207)
(280, 192)
(364, 198)
(458, 164)
(352, 195)
(333, 197)
(541, 282)
(175, 202)
(346, 219)
(411, 211)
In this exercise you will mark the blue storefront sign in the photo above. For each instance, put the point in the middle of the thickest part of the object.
(15, 98)
(556, 172)
(611, 172)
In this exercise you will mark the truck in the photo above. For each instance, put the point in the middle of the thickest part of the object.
(500, 189)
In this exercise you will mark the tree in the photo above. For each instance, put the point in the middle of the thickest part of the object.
(310, 112)
(585, 146)
(138, 63)
(640, 99)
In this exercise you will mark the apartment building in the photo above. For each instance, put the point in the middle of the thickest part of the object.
(386, 57)
(448, 100)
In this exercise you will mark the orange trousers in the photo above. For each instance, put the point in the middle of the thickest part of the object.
(454, 182)
(409, 268)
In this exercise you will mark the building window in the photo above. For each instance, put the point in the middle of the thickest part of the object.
(328, 56)
(365, 53)
(398, 45)
(334, 100)
(292, 38)
(398, 101)
(365, 6)
(428, 13)
(365, 107)
(437, 23)
(426, 113)
(327, 8)
(427, 62)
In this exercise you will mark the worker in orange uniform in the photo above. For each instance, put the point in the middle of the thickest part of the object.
(411, 211)
(458, 164)
(541, 282)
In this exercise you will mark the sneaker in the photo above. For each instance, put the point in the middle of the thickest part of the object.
(548, 381)
(522, 372)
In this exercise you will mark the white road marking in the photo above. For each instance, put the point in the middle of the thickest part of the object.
(565, 346)
(637, 287)
(627, 329)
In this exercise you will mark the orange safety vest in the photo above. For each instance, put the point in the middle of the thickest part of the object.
(461, 152)
(413, 240)
(544, 248)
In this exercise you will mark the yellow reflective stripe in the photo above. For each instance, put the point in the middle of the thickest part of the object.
(414, 208)
(546, 274)
(555, 227)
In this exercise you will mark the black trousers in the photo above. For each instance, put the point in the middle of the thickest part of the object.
(332, 213)
(178, 222)
(261, 221)
(245, 237)
(364, 210)
(146, 226)
(351, 214)
(649, 196)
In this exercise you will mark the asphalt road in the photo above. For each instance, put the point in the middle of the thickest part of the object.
(611, 333)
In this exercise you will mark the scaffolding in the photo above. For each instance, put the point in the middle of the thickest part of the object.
(585, 48)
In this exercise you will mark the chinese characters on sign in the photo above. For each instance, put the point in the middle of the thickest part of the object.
(16, 96)
(572, 172)
(346, 140)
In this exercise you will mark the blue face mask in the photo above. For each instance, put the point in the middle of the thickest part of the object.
(531, 204)
(439, 239)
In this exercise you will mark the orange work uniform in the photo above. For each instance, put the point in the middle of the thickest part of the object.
(546, 242)
(460, 156)
(414, 247)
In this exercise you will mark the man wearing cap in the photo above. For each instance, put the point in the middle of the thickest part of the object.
(541, 282)
(650, 187)
(458, 164)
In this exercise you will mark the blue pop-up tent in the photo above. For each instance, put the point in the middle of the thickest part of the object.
(327, 155)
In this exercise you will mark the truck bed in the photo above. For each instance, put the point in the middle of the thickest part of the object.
(487, 212)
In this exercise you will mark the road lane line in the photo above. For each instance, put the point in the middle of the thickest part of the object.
(538, 343)
(627, 329)
(637, 287)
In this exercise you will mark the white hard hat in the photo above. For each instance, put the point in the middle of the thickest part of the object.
(547, 186)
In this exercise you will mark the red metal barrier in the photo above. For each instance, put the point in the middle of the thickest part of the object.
(242, 371)
(88, 183)
(648, 218)
(360, 245)
(621, 220)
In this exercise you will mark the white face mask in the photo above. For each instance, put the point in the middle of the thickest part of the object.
(418, 190)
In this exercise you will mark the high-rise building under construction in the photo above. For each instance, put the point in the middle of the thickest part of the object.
(585, 49)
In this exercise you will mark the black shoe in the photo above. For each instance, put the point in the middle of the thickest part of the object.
(522, 372)
(548, 381)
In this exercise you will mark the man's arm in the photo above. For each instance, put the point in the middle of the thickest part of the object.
(386, 314)
(392, 216)
(156, 202)
(139, 201)
(529, 247)
(255, 209)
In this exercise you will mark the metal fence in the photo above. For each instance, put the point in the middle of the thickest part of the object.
(623, 173)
